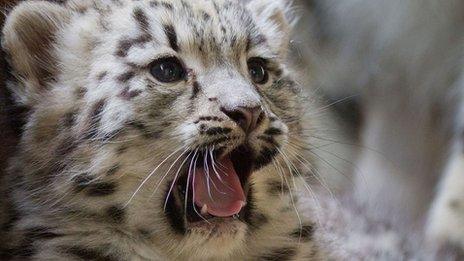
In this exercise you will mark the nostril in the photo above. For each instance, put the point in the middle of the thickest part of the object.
(247, 118)
(238, 117)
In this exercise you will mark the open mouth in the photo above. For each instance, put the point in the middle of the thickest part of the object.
(213, 186)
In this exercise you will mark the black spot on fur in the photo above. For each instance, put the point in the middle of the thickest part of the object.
(265, 157)
(41, 233)
(277, 187)
(260, 39)
(95, 118)
(69, 119)
(80, 92)
(126, 44)
(67, 145)
(121, 150)
(306, 233)
(218, 131)
(102, 76)
(123, 48)
(154, 4)
(113, 170)
(145, 233)
(250, 216)
(167, 5)
(93, 188)
(269, 140)
(174, 215)
(172, 37)
(101, 189)
(127, 94)
(138, 125)
(116, 214)
(87, 254)
(273, 131)
(142, 19)
(56, 169)
(206, 16)
(195, 90)
(253, 41)
(125, 77)
(147, 133)
(208, 118)
(281, 254)
(26, 247)
(217, 142)
(81, 182)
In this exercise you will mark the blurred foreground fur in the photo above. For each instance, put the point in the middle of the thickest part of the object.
(402, 62)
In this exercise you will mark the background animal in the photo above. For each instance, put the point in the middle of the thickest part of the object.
(397, 66)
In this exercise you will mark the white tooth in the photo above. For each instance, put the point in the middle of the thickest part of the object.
(204, 209)
(243, 204)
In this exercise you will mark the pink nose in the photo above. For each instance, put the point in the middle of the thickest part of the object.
(246, 117)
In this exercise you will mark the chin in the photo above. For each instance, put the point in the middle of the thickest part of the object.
(219, 238)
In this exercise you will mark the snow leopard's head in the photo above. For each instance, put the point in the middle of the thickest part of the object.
(176, 119)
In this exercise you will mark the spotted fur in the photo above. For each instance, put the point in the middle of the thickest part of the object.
(92, 176)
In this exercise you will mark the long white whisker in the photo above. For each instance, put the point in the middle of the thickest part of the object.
(175, 178)
(193, 194)
(213, 166)
(319, 178)
(290, 166)
(206, 168)
(194, 158)
(151, 174)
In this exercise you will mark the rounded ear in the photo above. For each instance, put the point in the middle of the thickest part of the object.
(28, 36)
(276, 19)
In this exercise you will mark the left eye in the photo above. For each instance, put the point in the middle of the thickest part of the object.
(168, 70)
(257, 70)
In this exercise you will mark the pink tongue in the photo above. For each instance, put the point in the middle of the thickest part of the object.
(221, 192)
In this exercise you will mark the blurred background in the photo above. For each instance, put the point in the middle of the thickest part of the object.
(392, 73)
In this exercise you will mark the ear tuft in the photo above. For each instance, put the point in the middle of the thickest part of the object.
(28, 37)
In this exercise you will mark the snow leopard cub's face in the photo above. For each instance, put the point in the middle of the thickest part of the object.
(171, 114)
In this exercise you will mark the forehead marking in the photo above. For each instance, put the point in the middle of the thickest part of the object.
(172, 36)
(125, 77)
(142, 19)
(167, 5)
(126, 44)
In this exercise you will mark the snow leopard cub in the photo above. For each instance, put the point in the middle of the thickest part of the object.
(157, 130)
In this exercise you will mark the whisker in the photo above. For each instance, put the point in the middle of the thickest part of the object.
(293, 201)
(206, 168)
(175, 179)
(151, 174)
(304, 162)
(193, 194)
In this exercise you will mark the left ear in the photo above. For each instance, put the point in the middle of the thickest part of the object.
(275, 19)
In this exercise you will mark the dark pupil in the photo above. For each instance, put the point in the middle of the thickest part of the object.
(257, 73)
(168, 71)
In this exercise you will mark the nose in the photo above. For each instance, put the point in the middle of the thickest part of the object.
(248, 118)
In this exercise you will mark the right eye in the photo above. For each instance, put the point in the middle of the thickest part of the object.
(167, 70)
